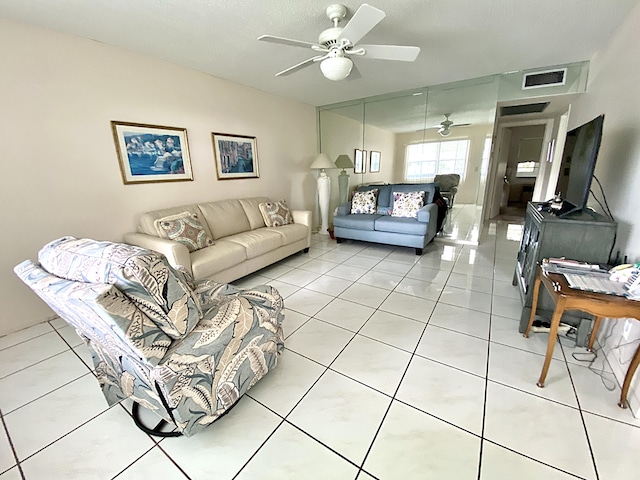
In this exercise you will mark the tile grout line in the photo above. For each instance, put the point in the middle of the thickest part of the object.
(582, 419)
(486, 378)
(13, 449)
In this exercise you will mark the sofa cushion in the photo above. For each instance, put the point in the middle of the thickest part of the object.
(257, 242)
(407, 204)
(408, 226)
(364, 202)
(252, 210)
(184, 228)
(211, 260)
(225, 218)
(356, 221)
(291, 233)
(143, 276)
(276, 213)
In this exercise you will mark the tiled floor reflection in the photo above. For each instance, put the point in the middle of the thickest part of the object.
(396, 366)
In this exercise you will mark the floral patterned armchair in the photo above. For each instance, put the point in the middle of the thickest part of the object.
(186, 352)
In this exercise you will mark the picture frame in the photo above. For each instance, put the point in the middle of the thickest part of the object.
(374, 162)
(236, 156)
(151, 153)
(359, 161)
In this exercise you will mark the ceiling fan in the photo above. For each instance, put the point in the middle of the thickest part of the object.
(444, 127)
(336, 44)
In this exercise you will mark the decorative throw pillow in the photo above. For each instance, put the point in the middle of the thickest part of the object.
(407, 204)
(364, 202)
(184, 228)
(276, 214)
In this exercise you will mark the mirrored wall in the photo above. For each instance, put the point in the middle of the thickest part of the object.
(387, 125)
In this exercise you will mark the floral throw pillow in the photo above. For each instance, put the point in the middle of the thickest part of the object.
(276, 214)
(407, 204)
(184, 228)
(364, 202)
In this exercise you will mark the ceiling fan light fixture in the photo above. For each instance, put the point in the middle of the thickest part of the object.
(445, 132)
(336, 68)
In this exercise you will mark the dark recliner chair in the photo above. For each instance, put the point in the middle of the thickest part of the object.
(448, 186)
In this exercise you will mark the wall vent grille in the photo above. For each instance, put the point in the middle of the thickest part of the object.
(523, 109)
(547, 78)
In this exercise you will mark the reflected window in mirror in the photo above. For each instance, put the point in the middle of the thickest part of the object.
(425, 160)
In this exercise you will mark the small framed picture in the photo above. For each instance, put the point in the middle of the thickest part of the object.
(236, 156)
(374, 162)
(360, 161)
(152, 153)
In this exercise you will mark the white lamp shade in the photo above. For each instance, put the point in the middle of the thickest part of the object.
(322, 161)
(336, 68)
(445, 132)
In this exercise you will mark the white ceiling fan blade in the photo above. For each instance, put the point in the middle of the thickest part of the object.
(391, 52)
(355, 73)
(300, 65)
(286, 41)
(362, 22)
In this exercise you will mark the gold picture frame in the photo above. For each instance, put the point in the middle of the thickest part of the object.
(236, 156)
(151, 153)
(374, 161)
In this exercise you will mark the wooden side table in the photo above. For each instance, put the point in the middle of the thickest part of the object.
(600, 305)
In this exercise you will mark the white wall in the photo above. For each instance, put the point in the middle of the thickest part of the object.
(613, 89)
(60, 173)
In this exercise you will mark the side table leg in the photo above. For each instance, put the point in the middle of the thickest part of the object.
(553, 336)
(594, 333)
(534, 304)
(627, 378)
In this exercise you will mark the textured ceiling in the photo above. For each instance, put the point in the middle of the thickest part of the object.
(459, 39)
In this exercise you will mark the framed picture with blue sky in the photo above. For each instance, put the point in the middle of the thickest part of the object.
(152, 153)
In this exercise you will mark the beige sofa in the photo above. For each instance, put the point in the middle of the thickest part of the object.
(242, 244)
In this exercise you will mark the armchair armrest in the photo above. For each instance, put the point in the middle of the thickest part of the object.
(344, 209)
(177, 254)
(427, 212)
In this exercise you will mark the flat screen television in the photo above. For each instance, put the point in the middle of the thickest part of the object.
(587, 139)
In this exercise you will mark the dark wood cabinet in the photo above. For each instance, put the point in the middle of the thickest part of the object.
(584, 236)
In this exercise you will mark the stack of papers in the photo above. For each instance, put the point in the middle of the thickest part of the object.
(596, 282)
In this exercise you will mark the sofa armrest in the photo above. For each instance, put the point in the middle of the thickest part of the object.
(177, 254)
(303, 217)
(428, 212)
(344, 209)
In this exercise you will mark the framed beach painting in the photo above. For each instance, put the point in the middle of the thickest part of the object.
(236, 156)
(359, 162)
(151, 153)
(374, 162)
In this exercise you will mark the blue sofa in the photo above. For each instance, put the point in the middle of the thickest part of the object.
(381, 227)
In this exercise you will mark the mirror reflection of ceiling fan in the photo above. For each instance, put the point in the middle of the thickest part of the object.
(335, 45)
(444, 127)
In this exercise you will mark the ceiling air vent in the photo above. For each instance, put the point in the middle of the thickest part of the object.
(547, 78)
(523, 109)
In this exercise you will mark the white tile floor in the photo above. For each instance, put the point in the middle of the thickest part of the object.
(396, 366)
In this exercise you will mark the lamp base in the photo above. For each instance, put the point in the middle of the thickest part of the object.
(324, 188)
(343, 187)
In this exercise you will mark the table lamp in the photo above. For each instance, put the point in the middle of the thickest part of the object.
(321, 163)
(343, 161)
